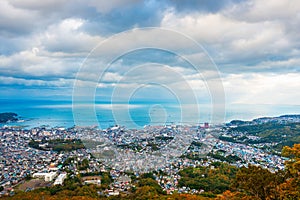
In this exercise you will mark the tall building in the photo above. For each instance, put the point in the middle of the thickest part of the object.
(206, 125)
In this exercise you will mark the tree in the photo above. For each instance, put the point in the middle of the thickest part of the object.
(216, 180)
(293, 165)
(228, 195)
(148, 175)
(290, 189)
(186, 197)
(28, 177)
(258, 182)
(151, 183)
(84, 164)
(146, 192)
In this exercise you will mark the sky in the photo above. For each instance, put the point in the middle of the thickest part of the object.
(252, 48)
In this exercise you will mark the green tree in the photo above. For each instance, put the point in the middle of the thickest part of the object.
(148, 175)
(151, 183)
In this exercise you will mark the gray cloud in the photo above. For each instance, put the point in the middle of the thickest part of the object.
(43, 43)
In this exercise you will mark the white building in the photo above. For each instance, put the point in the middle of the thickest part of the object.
(95, 182)
(60, 179)
(115, 193)
(50, 176)
(47, 176)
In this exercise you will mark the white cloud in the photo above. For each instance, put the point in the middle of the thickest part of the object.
(258, 10)
(25, 82)
(202, 27)
(28, 63)
(263, 88)
(66, 36)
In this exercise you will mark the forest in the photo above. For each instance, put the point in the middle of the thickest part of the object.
(58, 145)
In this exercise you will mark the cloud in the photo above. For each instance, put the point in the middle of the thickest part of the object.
(268, 88)
(45, 5)
(35, 83)
(103, 6)
(272, 10)
(14, 21)
(27, 64)
(68, 37)
(255, 44)
(232, 42)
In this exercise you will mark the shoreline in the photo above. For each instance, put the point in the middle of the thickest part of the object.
(283, 117)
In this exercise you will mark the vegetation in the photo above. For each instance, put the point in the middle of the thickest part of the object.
(132, 146)
(73, 188)
(153, 146)
(210, 179)
(58, 145)
(65, 145)
(28, 177)
(68, 161)
(229, 158)
(219, 181)
(147, 175)
(166, 138)
(257, 182)
(84, 164)
(197, 144)
(285, 134)
(291, 187)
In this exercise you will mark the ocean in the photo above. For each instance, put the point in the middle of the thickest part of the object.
(35, 113)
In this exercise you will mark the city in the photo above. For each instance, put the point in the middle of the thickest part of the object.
(131, 152)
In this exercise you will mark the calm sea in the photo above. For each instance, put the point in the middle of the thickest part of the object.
(135, 115)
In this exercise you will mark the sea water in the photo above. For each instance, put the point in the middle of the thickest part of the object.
(52, 113)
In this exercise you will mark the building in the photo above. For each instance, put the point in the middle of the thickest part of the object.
(95, 182)
(206, 125)
(47, 176)
(60, 179)
(52, 167)
(92, 180)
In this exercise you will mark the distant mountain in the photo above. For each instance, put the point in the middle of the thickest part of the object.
(280, 131)
(290, 116)
(238, 122)
(280, 119)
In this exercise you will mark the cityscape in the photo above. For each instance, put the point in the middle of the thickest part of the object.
(29, 160)
(149, 99)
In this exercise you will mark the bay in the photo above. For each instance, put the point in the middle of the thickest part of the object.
(52, 113)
